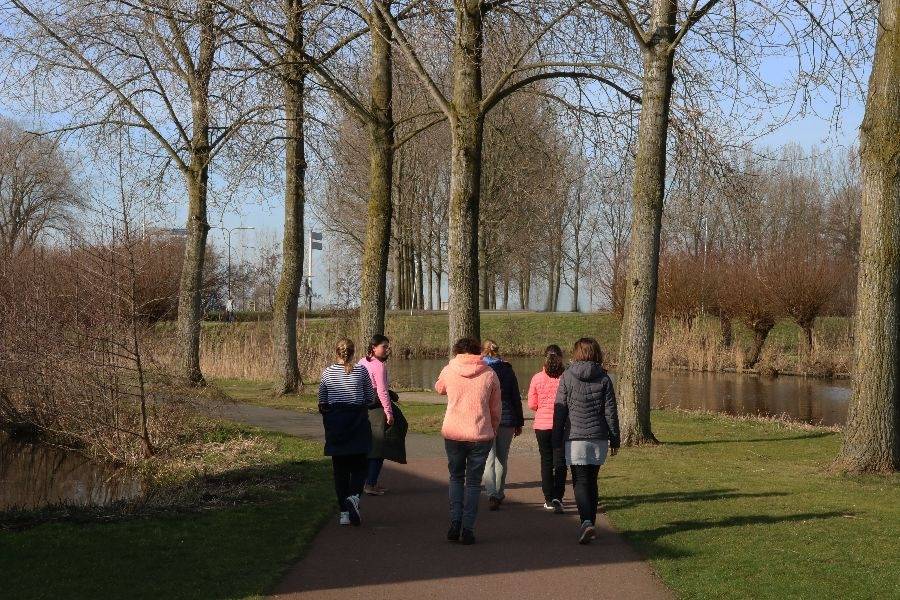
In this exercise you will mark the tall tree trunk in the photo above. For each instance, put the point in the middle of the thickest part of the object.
(197, 181)
(397, 275)
(429, 266)
(506, 292)
(638, 323)
(871, 437)
(439, 271)
(381, 158)
(420, 286)
(483, 292)
(467, 132)
(284, 317)
(575, 276)
(557, 282)
(551, 273)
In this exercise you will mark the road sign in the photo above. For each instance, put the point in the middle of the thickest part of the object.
(316, 236)
(316, 245)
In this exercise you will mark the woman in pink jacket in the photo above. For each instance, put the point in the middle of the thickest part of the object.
(541, 398)
(470, 425)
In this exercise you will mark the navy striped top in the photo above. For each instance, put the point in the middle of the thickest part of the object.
(336, 386)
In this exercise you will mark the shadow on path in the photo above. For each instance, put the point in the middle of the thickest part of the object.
(522, 550)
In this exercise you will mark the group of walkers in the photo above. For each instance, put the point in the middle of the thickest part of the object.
(575, 423)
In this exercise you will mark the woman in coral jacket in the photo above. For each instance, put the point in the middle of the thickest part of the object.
(541, 398)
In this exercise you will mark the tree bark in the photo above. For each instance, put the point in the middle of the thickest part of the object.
(638, 323)
(284, 318)
(871, 439)
(506, 292)
(467, 133)
(381, 158)
(197, 180)
(483, 292)
(429, 263)
(760, 333)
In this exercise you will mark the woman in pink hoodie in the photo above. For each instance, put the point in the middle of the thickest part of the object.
(541, 399)
(470, 424)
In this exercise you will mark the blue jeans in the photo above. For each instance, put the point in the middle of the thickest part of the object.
(494, 479)
(375, 465)
(465, 461)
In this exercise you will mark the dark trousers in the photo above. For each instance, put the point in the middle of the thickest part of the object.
(349, 476)
(584, 480)
(553, 466)
(375, 465)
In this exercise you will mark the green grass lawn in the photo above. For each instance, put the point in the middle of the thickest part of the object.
(219, 552)
(733, 509)
(422, 417)
(724, 508)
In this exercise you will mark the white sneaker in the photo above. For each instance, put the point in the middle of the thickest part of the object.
(345, 518)
(586, 533)
(353, 509)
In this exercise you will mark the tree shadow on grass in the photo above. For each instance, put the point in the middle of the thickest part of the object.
(631, 500)
(806, 436)
(651, 544)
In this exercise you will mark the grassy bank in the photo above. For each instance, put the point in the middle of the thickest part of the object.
(739, 509)
(422, 417)
(251, 523)
(244, 350)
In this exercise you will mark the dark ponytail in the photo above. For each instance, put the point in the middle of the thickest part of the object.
(553, 361)
(376, 341)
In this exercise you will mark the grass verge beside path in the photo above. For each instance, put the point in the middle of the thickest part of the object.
(422, 417)
(735, 509)
(230, 551)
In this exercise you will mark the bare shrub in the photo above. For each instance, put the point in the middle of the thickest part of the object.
(73, 364)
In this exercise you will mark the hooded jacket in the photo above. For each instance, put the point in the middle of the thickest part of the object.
(585, 407)
(473, 399)
(510, 397)
(542, 399)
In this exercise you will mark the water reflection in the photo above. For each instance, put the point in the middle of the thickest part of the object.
(804, 399)
(32, 475)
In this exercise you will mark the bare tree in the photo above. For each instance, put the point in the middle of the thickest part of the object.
(37, 193)
(149, 68)
(465, 106)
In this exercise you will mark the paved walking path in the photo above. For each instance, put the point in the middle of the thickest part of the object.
(400, 552)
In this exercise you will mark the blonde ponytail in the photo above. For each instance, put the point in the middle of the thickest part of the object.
(344, 351)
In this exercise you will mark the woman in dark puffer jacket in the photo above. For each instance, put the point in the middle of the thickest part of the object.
(586, 424)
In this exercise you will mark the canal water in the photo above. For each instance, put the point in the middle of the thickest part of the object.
(816, 401)
(36, 475)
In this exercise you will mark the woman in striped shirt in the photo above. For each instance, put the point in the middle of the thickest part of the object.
(345, 397)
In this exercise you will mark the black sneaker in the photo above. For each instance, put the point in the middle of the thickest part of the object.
(557, 506)
(468, 537)
(493, 503)
(454, 531)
